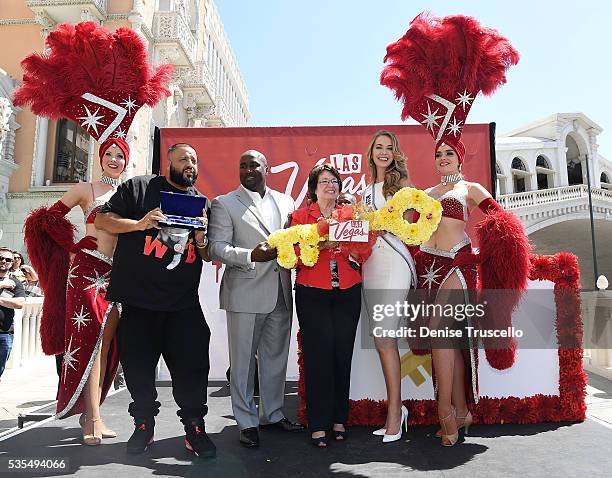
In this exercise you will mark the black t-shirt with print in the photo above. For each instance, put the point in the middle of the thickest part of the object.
(7, 314)
(152, 269)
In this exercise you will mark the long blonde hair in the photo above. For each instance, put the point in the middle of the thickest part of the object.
(395, 172)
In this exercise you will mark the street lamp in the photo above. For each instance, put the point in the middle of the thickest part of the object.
(588, 175)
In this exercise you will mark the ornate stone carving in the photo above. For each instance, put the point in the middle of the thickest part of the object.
(5, 116)
(45, 21)
(171, 30)
(87, 15)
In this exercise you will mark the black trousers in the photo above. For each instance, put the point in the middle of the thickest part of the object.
(182, 337)
(328, 323)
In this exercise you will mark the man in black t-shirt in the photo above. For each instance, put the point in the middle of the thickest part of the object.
(155, 276)
(12, 296)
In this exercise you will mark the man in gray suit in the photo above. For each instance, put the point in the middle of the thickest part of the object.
(256, 295)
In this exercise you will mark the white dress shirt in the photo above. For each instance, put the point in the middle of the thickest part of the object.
(267, 208)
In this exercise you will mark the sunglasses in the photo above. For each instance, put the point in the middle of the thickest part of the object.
(6, 259)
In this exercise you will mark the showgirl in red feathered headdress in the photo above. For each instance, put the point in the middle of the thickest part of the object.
(437, 69)
(99, 79)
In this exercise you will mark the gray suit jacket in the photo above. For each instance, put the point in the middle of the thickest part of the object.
(236, 226)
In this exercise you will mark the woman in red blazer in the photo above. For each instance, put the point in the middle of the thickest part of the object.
(328, 304)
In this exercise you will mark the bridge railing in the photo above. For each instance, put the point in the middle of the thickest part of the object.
(553, 195)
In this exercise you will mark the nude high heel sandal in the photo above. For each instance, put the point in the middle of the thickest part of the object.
(106, 432)
(92, 440)
(465, 422)
(448, 439)
(462, 422)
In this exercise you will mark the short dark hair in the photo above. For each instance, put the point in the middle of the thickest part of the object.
(6, 249)
(175, 146)
(313, 179)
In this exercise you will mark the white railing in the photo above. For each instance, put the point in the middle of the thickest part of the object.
(26, 339)
(547, 196)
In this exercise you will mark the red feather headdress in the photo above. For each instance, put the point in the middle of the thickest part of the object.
(93, 76)
(439, 66)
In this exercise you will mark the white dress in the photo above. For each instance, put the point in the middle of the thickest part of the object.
(388, 273)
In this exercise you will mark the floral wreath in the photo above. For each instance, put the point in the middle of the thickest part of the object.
(389, 218)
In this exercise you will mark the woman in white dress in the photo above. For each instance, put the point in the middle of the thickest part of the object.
(389, 272)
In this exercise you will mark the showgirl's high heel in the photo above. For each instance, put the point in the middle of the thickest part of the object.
(462, 422)
(380, 432)
(448, 439)
(466, 422)
(403, 424)
(106, 432)
(93, 439)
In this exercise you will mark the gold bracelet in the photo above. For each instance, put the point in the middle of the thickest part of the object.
(202, 246)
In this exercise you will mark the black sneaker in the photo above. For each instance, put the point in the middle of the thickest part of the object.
(142, 436)
(196, 439)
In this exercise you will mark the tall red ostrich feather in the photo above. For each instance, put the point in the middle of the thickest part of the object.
(111, 68)
(448, 59)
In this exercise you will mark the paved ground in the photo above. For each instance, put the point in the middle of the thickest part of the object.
(502, 450)
(26, 389)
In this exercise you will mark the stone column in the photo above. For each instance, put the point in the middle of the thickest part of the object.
(39, 158)
(594, 165)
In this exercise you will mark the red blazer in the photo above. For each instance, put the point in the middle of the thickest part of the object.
(319, 275)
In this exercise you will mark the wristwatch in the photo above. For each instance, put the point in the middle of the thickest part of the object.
(203, 245)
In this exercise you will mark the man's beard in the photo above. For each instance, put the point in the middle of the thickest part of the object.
(178, 178)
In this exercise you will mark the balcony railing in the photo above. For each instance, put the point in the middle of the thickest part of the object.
(171, 31)
(200, 78)
(554, 195)
(71, 11)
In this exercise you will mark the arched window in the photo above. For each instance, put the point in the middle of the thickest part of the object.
(544, 173)
(71, 153)
(542, 162)
(517, 163)
(519, 175)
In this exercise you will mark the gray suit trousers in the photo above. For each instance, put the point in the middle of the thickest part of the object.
(267, 336)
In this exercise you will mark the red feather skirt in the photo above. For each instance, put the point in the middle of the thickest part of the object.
(87, 312)
(434, 268)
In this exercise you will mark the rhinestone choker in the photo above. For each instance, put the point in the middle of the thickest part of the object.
(110, 181)
(451, 178)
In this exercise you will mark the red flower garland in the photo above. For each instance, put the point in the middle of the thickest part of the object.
(562, 269)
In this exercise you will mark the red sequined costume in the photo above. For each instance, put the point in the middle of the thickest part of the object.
(78, 330)
(86, 314)
(437, 69)
(99, 79)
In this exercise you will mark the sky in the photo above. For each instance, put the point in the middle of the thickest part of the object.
(316, 62)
